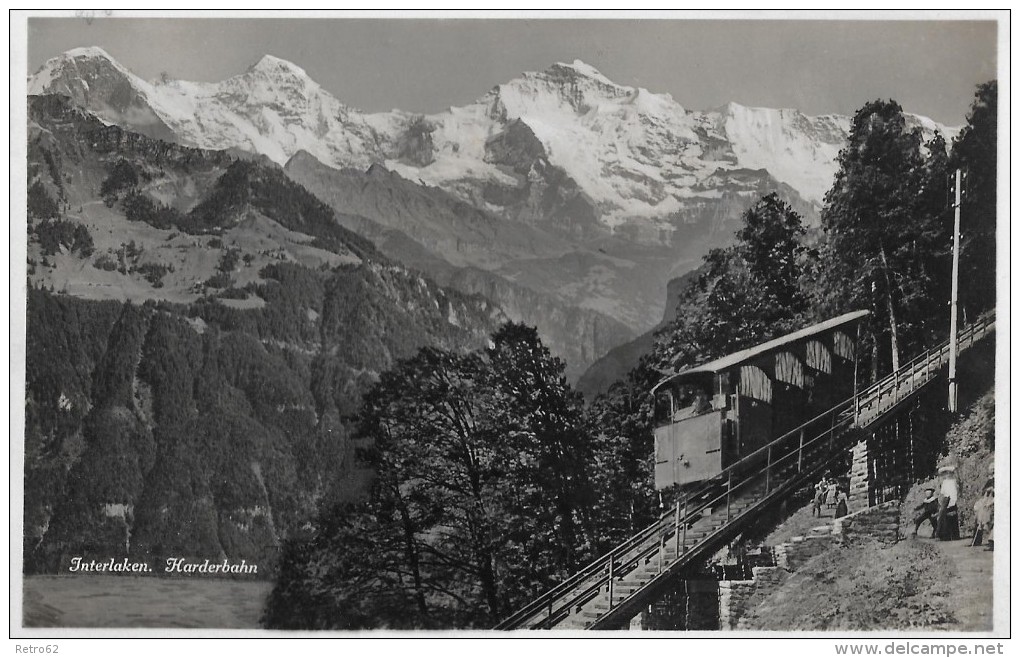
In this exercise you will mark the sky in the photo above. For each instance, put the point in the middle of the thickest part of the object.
(426, 65)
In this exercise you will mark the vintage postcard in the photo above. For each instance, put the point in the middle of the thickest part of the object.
(493, 323)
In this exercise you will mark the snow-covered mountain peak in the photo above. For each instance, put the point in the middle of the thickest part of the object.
(586, 70)
(271, 77)
(270, 65)
(573, 89)
(77, 64)
(637, 158)
(88, 51)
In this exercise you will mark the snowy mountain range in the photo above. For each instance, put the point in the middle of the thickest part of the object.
(631, 187)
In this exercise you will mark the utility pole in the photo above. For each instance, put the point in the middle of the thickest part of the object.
(955, 294)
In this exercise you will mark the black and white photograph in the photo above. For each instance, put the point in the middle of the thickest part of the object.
(510, 325)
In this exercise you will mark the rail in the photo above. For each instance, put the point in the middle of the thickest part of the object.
(770, 468)
(557, 602)
(886, 393)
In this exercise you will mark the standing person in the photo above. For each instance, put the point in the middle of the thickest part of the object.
(990, 494)
(819, 499)
(948, 519)
(842, 503)
(830, 494)
(929, 511)
(984, 510)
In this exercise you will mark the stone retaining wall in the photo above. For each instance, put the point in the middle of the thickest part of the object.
(860, 476)
(881, 522)
(738, 597)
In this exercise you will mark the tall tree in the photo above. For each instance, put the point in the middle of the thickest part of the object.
(478, 463)
(770, 245)
(882, 231)
(536, 419)
(974, 151)
(434, 472)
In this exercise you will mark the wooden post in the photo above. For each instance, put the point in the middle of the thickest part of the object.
(683, 540)
(729, 490)
(611, 575)
(878, 403)
(955, 293)
(800, 452)
(676, 530)
(857, 349)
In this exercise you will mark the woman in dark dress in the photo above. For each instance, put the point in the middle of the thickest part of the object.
(842, 500)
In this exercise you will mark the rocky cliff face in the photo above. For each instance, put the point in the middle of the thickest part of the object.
(459, 245)
(578, 336)
(93, 80)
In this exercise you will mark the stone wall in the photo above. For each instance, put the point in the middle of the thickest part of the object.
(881, 522)
(738, 598)
(860, 476)
(791, 555)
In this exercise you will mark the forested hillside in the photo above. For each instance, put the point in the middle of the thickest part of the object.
(195, 405)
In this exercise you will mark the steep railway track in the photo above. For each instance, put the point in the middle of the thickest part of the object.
(615, 587)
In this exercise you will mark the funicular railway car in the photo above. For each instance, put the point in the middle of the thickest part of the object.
(712, 415)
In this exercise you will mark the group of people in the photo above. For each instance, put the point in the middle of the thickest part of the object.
(941, 512)
(828, 493)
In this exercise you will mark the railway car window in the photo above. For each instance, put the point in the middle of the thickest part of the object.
(789, 369)
(663, 406)
(818, 357)
(754, 383)
(691, 400)
(843, 346)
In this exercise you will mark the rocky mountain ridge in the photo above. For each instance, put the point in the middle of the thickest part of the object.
(633, 155)
(606, 191)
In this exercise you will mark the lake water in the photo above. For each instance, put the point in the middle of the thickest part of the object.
(105, 601)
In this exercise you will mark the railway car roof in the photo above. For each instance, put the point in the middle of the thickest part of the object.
(725, 363)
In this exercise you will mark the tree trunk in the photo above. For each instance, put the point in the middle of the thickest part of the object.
(893, 338)
(412, 561)
(482, 549)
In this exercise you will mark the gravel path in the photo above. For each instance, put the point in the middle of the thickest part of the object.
(971, 583)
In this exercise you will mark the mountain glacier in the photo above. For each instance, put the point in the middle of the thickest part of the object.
(631, 187)
(638, 155)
